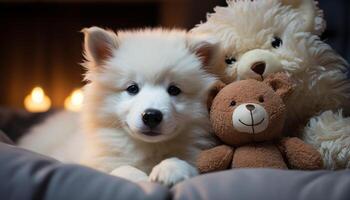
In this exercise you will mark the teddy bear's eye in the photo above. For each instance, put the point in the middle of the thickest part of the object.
(230, 60)
(276, 42)
(261, 99)
(233, 103)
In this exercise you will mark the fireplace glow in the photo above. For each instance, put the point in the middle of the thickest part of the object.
(74, 102)
(37, 101)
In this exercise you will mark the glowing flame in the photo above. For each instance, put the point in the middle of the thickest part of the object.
(74, 102)
(37, 95)
(36, 101)
(77, 97)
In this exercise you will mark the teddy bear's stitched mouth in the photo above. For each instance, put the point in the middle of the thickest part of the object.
(251, 124)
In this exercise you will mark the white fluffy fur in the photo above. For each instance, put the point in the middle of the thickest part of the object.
(320, 74)
(112, 118)
(153, 59)
(58, 136)
(112, 123)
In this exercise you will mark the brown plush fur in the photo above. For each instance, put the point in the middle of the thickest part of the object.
(264, 149)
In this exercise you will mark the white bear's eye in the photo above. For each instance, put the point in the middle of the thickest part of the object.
(276, 42)
(230, 60)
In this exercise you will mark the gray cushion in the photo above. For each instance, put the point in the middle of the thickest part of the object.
(266, 184)
(25, 175)
(4, 138)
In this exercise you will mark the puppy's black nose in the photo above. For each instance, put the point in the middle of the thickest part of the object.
(250, 107)
(259, 67)
(152, 118)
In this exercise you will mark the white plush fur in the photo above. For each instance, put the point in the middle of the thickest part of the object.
(330, 133)
(112, 122)
(246, 30)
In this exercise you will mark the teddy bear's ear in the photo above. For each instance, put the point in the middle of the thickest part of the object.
(217, 86)
(281, 83)
(311, 18)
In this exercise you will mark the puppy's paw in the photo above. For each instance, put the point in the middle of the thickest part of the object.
(171, 171)
(130, 173)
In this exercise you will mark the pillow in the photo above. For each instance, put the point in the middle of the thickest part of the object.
(25, 175)
(4, 138)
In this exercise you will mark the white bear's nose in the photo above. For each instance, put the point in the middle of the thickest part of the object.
(258, 63)
(258, 67)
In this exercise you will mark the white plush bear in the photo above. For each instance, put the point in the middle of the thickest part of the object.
(260, 37)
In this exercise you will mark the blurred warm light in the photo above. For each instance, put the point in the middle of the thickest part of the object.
(37, 101)
(74, 101)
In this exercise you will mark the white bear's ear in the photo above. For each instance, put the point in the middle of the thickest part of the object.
(311, 16)
(99, 44)
(206, 48)
(281, 83)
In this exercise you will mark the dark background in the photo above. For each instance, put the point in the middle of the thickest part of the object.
(40, 43)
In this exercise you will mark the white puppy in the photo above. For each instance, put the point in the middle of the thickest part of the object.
(145, 102)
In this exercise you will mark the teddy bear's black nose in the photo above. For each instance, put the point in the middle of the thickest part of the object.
(259, 67)
(250, 107)
(152, 118)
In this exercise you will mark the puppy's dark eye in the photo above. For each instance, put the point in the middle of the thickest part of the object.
(261, 99)
(173, 90)
(133, 89)
(233, 103)
(276, 42)
(230, 61)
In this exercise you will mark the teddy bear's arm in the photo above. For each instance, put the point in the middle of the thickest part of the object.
(300, 155)
(214, 159)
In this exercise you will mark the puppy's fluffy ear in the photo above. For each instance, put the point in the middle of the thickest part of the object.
(99, 44)
(311, 16)
(213, 92)
(207, 49)
(281, 83)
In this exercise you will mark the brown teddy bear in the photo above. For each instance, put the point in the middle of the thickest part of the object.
(248, 117)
